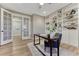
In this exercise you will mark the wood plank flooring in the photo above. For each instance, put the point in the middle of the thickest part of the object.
(70, 48)
(17, 48)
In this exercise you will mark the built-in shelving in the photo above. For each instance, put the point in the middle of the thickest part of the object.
(67, 23)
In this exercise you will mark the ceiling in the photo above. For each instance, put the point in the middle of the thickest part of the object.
(34, 8)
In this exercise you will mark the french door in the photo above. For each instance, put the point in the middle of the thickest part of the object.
(25, 28)
(6, 26)
(16, 26)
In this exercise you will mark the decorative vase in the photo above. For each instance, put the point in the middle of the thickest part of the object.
(51, 34)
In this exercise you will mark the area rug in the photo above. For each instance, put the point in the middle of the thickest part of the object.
(35, 51)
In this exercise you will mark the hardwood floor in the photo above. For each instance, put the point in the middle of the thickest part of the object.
(6, 50)
(17, 48)
(70, 48)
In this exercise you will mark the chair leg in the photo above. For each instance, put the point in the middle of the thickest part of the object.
(58, 51)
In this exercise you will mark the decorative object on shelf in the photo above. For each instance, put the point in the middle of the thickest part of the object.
(70, 19)
(48, 28)
(70, 14)
(55, 17)
(71, 26)
(60, 26)
(73, 12)
(53, 26)
(47, 23)
(59, 13)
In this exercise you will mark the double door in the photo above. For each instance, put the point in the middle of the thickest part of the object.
(6, 29)
(12, 25)
(21, 26)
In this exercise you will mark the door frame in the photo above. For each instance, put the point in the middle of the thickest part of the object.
(19, 15)
(29, 28)
(2, 29)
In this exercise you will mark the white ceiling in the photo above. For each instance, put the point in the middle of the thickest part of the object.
(34, 8)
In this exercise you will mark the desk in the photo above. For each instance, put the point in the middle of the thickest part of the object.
(49, 41)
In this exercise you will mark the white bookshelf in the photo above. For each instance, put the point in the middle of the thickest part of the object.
(69, 36)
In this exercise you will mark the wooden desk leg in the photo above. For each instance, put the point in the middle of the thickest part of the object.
(58, 51)
(50, 51)
(58, 48)
(39, 40)
(34, 39)
(50, 48)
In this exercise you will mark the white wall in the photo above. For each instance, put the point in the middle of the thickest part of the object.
(38, 24)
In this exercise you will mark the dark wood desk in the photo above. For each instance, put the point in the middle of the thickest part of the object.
(49, 41)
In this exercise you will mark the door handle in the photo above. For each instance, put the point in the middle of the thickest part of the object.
(2, 31)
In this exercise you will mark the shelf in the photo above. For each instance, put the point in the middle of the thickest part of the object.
(75, 15)
(70, 20)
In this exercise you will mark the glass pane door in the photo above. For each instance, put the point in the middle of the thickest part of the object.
(16, 26)
(6, 24)
(25, 28)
